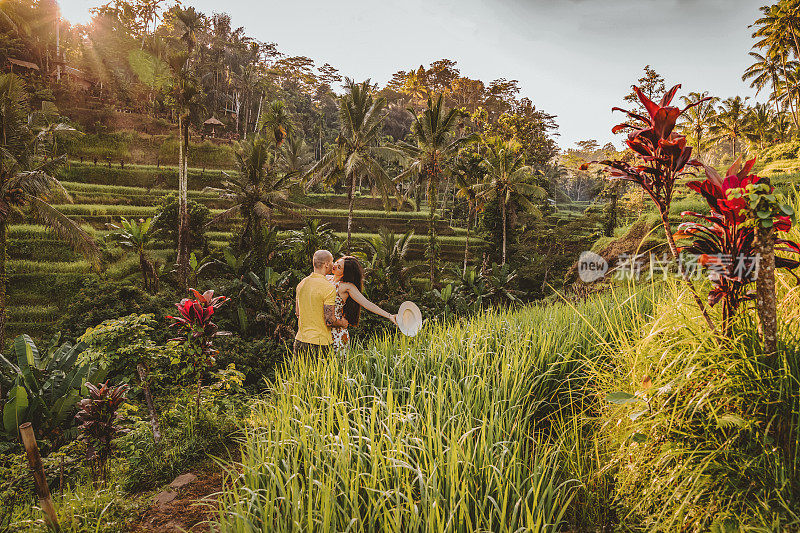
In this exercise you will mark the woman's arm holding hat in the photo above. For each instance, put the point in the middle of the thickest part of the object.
(353, 292)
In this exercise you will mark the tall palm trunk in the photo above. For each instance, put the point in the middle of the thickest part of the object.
(788, 94)
(503, 211)
(350, 201)
(183, 215)
(444, 196)
(3, 284)
(432, 201)
(466, 246)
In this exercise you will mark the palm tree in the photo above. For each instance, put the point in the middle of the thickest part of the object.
(136, 236)
(275, 123)
(26, 181)
(777, 33)
(313, 236)
(356, 155)
(257, 191)
(765, 70)
(295, 155)
(387, 265)
(192, 23)
(729, 121)
(509, 181)
(185, 91)
(469, 172)
(697, 121)
(431, 157)
(760, 126)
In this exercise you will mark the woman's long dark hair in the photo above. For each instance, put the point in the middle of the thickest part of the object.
(353, 273)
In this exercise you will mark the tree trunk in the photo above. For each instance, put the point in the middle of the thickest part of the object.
(350, 201)
(432, 191)
(3, 285)
(503, 211)
(258, 117)
(685, 275)
(444, 196)
(183, 216)
(766, 301)
(145, 272)
(148, 396)
(466, 246)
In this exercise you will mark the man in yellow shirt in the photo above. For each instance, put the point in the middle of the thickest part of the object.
(315, 303)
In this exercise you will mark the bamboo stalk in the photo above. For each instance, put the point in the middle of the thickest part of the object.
(35, 463)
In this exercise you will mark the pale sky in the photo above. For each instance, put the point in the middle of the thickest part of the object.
(573, 58)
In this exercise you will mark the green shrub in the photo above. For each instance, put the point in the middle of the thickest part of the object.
(188, 439)
(258, 359)
(165, 223)
(85, 507)
(99, 300)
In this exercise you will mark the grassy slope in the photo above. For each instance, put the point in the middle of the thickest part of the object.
(421, 434)
(41, 264)
(500, 422)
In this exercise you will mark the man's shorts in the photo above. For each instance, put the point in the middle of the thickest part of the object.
(315, 350)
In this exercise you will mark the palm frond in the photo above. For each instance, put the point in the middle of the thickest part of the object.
(66, 229)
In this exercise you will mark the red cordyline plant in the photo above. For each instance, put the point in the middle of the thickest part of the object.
(99, 423)
(728, 243)
(198, 332)
(665, 157)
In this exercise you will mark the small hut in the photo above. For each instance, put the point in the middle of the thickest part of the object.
(211, 125)
(27, 66)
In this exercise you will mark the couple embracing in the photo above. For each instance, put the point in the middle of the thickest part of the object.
(328, 302)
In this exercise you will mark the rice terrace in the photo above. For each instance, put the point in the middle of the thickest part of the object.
(354, 266)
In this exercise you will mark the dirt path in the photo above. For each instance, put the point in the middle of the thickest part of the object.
(188, 504)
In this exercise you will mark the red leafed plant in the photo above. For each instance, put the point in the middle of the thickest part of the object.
(198, 332)
(664, 157)
(99, 423)
(727, 243)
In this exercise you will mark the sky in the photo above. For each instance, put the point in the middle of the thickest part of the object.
(573, 58)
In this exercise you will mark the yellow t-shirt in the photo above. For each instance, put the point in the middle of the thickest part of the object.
(312, 293)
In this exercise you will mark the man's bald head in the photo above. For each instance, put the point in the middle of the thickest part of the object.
(321, 259)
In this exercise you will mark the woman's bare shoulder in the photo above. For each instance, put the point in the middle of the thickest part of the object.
(346, 285)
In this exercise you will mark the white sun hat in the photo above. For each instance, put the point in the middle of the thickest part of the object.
(409, 318)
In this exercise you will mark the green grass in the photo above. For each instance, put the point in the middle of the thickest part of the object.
(34, 313)
(135, 175)
(106, 210)
(446, 431)
(134, 146)
(37, 231)
(28, 266)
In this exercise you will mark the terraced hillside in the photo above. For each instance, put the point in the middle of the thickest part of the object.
(43, 270)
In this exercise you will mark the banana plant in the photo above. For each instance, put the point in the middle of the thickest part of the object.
(473, 288)
(500, 280)
(270, 295)
(446, 296)
(197, 266)
(45, 386)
